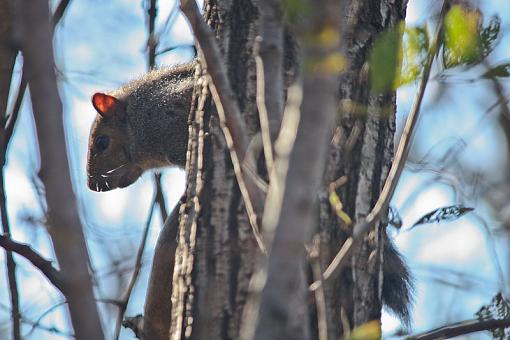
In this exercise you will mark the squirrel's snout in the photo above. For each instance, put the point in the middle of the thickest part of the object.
(97, 185)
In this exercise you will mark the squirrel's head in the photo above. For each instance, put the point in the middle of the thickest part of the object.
(110, 161)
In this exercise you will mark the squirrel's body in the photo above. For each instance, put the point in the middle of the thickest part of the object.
(144, 125)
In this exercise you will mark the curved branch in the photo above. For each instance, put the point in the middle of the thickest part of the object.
(45, 266)
(461, 328)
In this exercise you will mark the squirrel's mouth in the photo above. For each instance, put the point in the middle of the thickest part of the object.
(113, 180)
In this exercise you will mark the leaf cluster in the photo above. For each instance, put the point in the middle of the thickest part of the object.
(398, 55)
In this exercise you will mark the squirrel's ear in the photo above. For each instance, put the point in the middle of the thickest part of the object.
(105, 104)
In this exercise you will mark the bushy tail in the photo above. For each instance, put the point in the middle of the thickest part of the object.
(398, 285)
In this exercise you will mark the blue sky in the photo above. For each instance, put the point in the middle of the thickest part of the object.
(100, 45)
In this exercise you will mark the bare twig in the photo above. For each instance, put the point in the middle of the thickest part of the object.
(136, 271)
(45, 266)
(461, 328)
(13, 288)
(37, 323)
(59, 13)
(13, 116)
(320, 297)
(6, 229)
(274, 200)
(362, 227)
(261, 105)
(160, 198)
(152, 44)
(228, 112)
(8, 53)
(271, 64)
(243, 185)
(135, 323)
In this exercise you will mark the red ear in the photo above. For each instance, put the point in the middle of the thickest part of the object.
(104, 104)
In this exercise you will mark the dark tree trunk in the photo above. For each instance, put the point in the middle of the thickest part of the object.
(362, 150)
(216, 251)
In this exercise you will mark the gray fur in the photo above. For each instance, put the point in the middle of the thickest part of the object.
(157, 107)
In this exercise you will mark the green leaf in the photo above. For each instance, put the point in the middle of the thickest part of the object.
(386, 59)
(337, 205)
(466, 41)
(461, 36)
(415, 48)
(368, 331)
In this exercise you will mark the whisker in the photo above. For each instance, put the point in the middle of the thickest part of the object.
(112, 176)
(115, 169)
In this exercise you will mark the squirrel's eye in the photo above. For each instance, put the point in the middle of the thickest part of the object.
(101, 142)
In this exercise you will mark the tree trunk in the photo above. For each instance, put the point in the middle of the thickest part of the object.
(216, 251)
(362, 150)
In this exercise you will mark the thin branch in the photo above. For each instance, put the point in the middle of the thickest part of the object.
(59, 13)
(320, 296)
(10, 263)
(362, 227)
(8, 53)
(261, 105)
(152, 44)
(270, 50)
(228, 111)
(37, 323)
(135, 323)
(13, 116)
(274, 201)
(45, 266)
(160, 198)
(461, 328)
(136, 271)
(114, 302)
(253, 217)
(152, 41)
(171, 48)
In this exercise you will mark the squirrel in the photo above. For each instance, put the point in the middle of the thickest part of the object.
(144, 125)
(140, 126)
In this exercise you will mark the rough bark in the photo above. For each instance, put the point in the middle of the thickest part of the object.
(216, 250)
(362, 150)
(63, 221)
